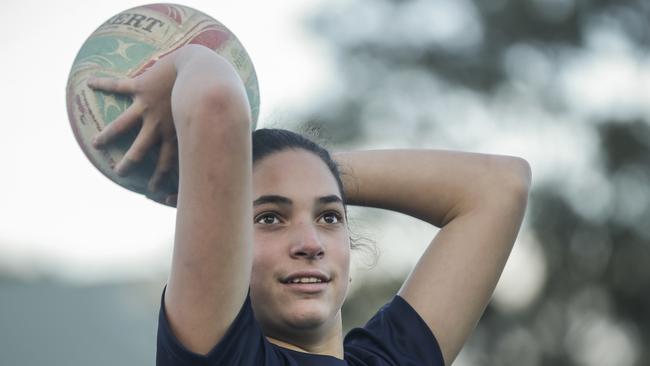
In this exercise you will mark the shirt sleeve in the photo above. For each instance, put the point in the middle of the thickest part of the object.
(243, 344)
(395, 336)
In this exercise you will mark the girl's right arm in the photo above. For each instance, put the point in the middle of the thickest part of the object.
(212, 255)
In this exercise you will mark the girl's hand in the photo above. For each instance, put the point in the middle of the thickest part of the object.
(151, 109)
(171, 200)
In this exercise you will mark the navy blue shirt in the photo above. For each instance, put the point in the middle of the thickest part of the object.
(395, 336)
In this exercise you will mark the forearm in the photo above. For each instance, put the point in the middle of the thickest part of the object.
(433, 185)
(212, 121)
(212, 255)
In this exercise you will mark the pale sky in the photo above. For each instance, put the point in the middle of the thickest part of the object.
(59, 214)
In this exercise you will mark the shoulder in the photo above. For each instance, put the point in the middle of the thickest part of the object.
(395, 335)
(241, 342)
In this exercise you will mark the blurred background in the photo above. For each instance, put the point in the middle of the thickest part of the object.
(562, 83)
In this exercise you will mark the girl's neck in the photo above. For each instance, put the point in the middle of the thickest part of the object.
(330, 344)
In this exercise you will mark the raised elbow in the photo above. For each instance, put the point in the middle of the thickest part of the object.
(515, 178)
(522, 174)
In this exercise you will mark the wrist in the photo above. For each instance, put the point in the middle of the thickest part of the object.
(188, 53)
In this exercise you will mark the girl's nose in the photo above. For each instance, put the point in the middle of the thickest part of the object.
(307, 243)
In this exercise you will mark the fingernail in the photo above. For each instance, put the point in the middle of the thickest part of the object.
(152, 186)
(119, 169)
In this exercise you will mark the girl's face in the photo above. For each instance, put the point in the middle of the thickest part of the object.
(301, 259)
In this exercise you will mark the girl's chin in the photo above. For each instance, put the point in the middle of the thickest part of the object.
(306, 317)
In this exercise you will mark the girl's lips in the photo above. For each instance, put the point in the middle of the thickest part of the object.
(310, 288)
(311, 281)
(306, 277)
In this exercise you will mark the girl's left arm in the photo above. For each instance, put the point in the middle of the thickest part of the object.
(478, 202)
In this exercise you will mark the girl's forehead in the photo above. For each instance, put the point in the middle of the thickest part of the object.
(290, 168)
(287, 157)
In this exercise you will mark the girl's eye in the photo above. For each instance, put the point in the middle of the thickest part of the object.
(267, 219)
(331, 218)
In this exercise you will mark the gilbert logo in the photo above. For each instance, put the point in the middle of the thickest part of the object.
(140, 21)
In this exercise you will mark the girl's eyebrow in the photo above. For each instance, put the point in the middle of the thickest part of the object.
(332, 198)
(286, 201)
(279, 200)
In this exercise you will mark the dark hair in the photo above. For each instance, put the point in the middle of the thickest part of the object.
(267, 141)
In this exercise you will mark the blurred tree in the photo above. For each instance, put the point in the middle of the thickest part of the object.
(412, 69)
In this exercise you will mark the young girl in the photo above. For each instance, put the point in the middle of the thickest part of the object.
(261, 257)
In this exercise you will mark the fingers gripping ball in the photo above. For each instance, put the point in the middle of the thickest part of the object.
(124, 47)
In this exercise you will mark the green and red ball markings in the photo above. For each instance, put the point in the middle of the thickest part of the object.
(126, 45)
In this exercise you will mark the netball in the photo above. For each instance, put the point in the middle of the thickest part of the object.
(126, 45)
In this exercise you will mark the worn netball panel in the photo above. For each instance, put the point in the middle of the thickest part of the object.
(126, 45)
